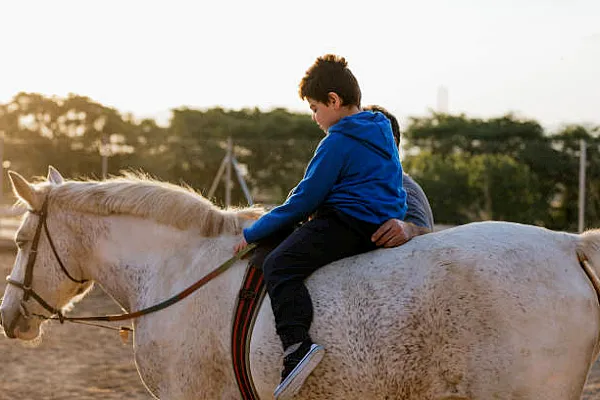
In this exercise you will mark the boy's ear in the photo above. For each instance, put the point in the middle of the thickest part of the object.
(334, 99)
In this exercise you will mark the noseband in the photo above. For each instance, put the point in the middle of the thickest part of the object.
(26, 285)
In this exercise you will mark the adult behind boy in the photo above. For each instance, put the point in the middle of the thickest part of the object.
(351, 186)
(419, 217)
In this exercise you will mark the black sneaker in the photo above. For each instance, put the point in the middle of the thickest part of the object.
(297, 366)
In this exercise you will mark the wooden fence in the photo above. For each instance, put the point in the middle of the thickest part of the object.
(8, 227)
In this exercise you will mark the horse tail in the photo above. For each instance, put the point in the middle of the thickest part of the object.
(588, 254)
(588, 247)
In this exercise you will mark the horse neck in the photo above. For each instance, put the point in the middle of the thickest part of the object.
(141, 263)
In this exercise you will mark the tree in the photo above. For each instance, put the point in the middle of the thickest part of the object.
(501, 152)
(66, 133)
(273, 146)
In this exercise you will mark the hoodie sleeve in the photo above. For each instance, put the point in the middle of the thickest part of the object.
(321, 174)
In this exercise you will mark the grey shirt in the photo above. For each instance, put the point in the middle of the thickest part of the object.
(419, 211)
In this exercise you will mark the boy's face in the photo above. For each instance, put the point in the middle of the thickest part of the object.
(325, 115)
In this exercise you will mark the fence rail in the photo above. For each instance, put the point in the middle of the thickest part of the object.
(9, 222)
(8, 227)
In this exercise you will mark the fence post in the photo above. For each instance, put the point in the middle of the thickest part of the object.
(229, 162)
(104, 154)
(228, 183)
(582, 165)
(1, 174)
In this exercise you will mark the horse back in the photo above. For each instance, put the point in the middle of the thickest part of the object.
(452, 313)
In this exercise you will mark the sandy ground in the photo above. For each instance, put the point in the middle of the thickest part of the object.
(81, 362)
(73, 361)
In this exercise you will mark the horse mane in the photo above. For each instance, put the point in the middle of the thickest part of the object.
(139, 195)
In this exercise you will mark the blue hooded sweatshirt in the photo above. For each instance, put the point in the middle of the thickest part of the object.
(355, 169)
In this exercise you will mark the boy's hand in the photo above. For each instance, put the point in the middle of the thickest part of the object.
(242, 244)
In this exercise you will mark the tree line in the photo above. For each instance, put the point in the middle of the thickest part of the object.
(503, 168)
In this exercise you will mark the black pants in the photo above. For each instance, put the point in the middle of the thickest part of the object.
(329, 236)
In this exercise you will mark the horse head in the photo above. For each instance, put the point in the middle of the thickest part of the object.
(47, 276)
(107, 231)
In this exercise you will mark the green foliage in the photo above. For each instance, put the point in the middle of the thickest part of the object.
(509, 169)
(65, 133)
(504, 189)
(472, 169)
(451, 203)
(274, 146)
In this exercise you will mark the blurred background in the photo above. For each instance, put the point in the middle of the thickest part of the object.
(499, 102)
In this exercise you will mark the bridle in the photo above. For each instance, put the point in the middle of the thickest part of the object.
(26, 284)
(57, 314)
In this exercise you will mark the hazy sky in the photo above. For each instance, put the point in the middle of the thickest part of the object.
(538, 58)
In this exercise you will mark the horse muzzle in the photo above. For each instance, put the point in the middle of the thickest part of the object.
(16, 322)
(8, 323)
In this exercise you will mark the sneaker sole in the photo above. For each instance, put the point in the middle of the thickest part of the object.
(294, 381)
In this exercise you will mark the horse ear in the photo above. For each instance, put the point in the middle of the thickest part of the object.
(54, 176)
(24, 190)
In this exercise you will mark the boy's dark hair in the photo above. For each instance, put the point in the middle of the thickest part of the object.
(330, 73)
(390, 116)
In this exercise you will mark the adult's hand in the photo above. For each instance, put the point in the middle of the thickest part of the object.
(395, 232)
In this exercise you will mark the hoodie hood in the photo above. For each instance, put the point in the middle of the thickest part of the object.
(371, 129)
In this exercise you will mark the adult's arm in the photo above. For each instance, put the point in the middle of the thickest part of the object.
(418, 219)
(419, 210)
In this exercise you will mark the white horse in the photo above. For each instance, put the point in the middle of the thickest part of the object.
(482, 311)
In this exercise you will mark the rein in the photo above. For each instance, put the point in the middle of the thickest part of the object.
(57, 314)
(166, 303)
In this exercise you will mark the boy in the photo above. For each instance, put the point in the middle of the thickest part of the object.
(352, 184)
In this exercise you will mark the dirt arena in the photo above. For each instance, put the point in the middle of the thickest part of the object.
(84, 363)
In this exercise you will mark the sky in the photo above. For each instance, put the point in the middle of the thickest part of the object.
(536, 58)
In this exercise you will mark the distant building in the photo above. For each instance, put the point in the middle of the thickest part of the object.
(442, 100)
